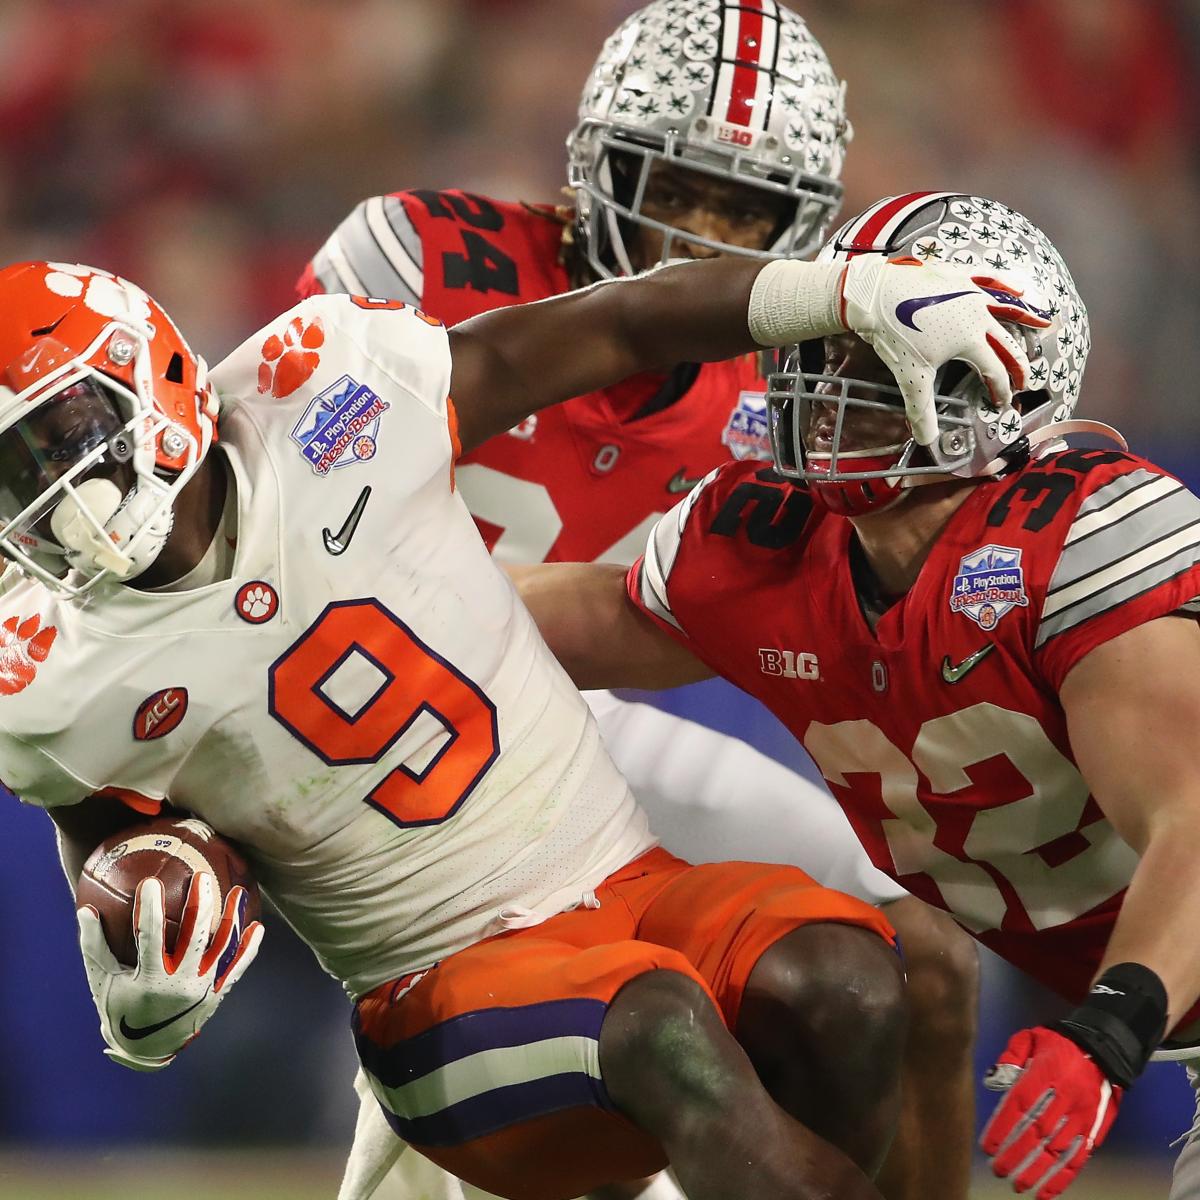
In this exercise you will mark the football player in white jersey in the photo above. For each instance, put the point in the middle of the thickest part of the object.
(704, 128)
(545, 1001)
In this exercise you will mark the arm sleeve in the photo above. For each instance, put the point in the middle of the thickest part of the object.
(375, 251)
(1131, 555)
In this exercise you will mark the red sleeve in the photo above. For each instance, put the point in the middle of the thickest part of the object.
(1130, 555)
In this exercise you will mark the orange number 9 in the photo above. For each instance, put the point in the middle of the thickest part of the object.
(416, 681)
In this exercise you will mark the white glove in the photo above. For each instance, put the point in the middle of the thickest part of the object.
(919, 316)
(148, 1013)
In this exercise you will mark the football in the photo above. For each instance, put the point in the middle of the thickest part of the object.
(170, 849)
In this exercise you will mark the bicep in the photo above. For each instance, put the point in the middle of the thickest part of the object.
(602, 640)
(1133, 715)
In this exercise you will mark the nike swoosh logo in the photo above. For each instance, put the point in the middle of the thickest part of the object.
(679, 482)
(909, 308)
(952, 673)
(337, 543)
(135, 1033)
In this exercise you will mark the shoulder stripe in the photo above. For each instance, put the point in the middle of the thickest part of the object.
(1123, 538)
(366, 260)
(662, 548)
(387, 224)
(1121, 496)
(334, 271)
(1136, 574)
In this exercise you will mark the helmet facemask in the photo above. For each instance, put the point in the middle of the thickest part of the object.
(81, 501)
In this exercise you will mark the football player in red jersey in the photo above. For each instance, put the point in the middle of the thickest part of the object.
(988, 647)
(704, 129)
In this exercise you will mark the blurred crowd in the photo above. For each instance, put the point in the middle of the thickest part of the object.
(206, 148)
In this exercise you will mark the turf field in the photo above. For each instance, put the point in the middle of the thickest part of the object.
(275, 1175)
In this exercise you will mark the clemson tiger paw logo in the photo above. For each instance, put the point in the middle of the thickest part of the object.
(256, 602)
(289, 361)
(23, 645)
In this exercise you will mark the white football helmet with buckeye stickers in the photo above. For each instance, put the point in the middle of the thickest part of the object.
(737, 89)
(1022, 269)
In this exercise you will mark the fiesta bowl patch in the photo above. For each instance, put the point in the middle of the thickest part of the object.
(990, 582)
(340, 427)
(745, 432)
(158, 714)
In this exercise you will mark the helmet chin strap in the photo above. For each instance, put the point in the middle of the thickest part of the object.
(94, 524)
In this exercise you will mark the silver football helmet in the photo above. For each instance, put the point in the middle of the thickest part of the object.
(740, 91)
(1017, 262)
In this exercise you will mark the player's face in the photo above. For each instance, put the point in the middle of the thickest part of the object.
(42, 448)
(879, 426)
(706, 206)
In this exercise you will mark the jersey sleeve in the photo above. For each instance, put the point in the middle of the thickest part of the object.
(1131, 555)
(375, 251)
(652, 581)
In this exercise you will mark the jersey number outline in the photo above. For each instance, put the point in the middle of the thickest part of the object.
(454, 708)
(1026, 854)
(484, 267)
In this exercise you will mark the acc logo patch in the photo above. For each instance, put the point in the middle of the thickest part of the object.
(289, 361)
(23, 646)
(745, 432)
(990, 582)
(340, 427)
(160, 713)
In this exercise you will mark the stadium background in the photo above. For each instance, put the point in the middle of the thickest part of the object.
(206, 147)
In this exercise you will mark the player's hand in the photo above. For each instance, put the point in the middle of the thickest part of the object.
(920, 316)
(148, 1013)
(1058, 1109)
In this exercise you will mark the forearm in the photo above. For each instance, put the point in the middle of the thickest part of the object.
(528, 357)
(1158, 935)
(603, 642)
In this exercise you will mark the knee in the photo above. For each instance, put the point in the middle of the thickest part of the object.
(826, 988)
(661, 1044)
(942, 963)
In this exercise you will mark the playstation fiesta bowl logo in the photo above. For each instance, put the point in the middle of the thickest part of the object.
(990, 583)
(340, 426)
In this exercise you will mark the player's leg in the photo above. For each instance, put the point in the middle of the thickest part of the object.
(670, 1063)
(491, 1065)
(712, 797)
(932, 1152)
(813, 986)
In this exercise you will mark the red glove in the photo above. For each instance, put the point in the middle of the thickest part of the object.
(1059, 1108)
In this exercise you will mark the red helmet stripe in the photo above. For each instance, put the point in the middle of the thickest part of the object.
(749, 37)
(876, 220)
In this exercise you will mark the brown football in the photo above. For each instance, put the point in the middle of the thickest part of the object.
(170, 849)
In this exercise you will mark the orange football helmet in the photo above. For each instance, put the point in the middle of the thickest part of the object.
(105, 414)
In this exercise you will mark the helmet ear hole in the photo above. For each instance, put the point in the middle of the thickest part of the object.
(174, 372)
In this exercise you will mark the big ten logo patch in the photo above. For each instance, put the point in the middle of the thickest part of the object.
(789, 664)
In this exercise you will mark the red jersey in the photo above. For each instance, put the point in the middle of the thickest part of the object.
(583, 480)
(941, 733)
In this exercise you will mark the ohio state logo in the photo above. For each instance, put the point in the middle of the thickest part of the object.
(160, 713)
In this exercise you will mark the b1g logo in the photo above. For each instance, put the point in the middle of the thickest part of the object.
(790, 664)
(340, 427)
(990, 583)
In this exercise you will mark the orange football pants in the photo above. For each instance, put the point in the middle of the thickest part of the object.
(489, 1062)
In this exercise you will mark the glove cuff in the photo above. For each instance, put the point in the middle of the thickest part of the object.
(1122, 1021)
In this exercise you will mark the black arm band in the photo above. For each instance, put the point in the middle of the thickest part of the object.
(1122, 1021)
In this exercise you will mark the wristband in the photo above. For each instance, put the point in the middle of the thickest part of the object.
(1122, 1021)
(796, 302)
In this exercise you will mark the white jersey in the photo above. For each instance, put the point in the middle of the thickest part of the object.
(365, 705)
